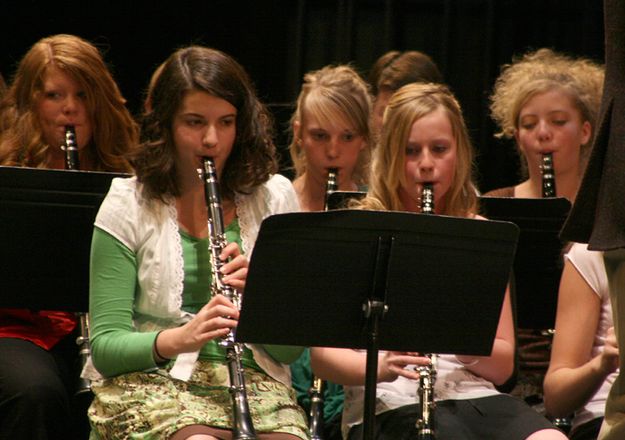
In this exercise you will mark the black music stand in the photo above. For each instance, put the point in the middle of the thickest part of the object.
(377, 280)
(46, 224)
(538, 262)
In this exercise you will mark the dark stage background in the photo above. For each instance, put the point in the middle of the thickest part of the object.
(278, 41)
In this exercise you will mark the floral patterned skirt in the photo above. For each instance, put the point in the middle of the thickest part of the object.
(154, 406)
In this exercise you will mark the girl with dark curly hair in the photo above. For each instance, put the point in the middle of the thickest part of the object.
(155, 324)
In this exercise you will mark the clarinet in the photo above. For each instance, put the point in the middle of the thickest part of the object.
(427, 199)
(549, 190)
(84, 385)
(318, 385)
(315, 392)
(548, 175)
(71, 149)
(427, 373)
(242, 427)
(331, 185)
(84, 351)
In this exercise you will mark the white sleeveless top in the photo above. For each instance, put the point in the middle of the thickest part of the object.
(453, 381)
(590, 266)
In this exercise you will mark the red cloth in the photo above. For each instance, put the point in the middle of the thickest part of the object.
(44, 328)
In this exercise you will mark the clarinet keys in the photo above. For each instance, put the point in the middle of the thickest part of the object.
(427, 379)
(427, 198)
(71, 149)
(331, 185)
(548, 175)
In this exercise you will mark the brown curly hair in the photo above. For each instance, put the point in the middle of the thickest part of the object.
(3, 86)
(395, 69)
(252, 160)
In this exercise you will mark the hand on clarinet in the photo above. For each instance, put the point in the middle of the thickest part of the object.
(397, 363)
(609, 356)
(213, 321)
(234, 270)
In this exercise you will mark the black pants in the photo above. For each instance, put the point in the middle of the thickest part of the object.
(37, 389)
(332, 429)
(500, 417)
(587, 431)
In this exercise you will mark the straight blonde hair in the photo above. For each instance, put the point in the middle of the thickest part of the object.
(409, 104)
(328, 94)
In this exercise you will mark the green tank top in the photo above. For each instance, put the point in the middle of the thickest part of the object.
(196, 287)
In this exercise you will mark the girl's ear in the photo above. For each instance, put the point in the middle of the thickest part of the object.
(586, 132)
(296, 130)
(516, 137)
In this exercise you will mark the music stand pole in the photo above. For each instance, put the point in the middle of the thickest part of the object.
(374, 311)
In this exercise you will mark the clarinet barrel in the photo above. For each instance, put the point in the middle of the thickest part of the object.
(242, 426)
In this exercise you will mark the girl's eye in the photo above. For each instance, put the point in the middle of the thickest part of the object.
(528, 126)
(227, 122)
(194, 122)
(348, 137)
(52, 95)
(412, 151)
(82, 95)
(439, 149)
(559, 122)
(319, 136)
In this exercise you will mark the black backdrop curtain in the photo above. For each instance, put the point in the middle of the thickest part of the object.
(277, 41)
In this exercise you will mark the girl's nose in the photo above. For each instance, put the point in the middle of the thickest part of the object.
(332, 149)
(427, 161)
(210, 136)
(70, 104)
(544, 131)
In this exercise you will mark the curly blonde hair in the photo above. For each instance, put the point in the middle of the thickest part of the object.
(330, 93)
(407, 105)
(114, 129)
(542, 71)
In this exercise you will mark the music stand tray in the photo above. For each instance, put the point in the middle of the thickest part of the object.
(46, 224)
(312, 274)
(538, 262)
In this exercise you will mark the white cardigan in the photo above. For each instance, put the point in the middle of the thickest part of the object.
(150, 230)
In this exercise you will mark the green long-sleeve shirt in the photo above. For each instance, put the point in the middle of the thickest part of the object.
(116, 346)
